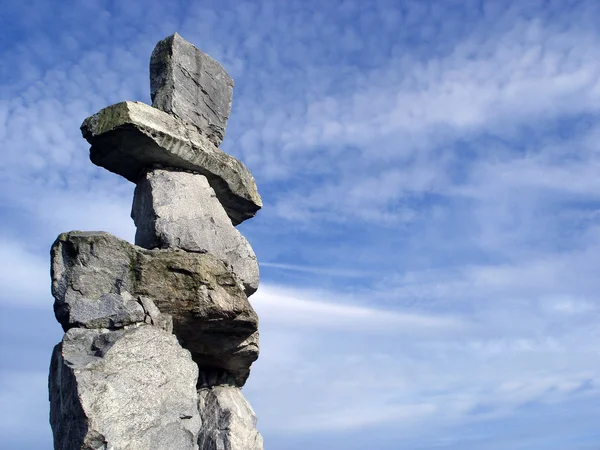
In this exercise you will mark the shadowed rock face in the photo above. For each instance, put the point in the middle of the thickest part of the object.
(129, 389)
(211, 315)
(180, 210)
(191, 86)
(128, 138)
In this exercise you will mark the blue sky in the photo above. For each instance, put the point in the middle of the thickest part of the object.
(430, 237)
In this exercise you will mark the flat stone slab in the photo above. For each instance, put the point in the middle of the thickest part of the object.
(180, 210)
(129, 138)
(190, 85)
(127, 389)
(99, 280)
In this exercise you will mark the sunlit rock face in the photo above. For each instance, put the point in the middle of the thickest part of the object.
(188, 84)
(132, 388)
(228, 421)
(174, 209)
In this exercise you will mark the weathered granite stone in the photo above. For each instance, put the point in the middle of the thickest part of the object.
(190, 85)
(154, 316)
(228, 421)
(180, 210)
(211, 315)
(130, 137)
(93, 298)
(129, 389)
(110, 310)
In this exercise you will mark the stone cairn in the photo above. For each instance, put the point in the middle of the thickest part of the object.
(160, 336)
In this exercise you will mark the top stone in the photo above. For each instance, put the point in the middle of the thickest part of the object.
(191, 86)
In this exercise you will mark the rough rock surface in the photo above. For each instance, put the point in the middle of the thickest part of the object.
(211, 315)
(160, 337)
(130, 137)
(228, 421)
(180, 210)
(190, 85)
(129, 389)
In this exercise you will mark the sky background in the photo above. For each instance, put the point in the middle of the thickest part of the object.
(430, 237)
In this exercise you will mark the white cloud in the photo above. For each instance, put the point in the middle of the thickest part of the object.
(24, 276)
(395, 135)
(309, 309)
(402, 416)
(328, 364)
(316, 270)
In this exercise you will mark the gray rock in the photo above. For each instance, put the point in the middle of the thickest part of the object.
(130, 137)
(180, 210)
(154, 316)
(98, 299)
(228, 421)
(93, 298)
(110, 310)
(211, 315)
(190, 85)
(130, 389)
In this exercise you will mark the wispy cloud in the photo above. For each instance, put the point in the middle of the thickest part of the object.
(310, 309)
(316, 270)
(504, 356)
(24, 276)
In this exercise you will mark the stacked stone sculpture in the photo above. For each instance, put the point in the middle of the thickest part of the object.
(160, 335)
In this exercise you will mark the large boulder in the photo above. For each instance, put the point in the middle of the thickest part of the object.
(191, 86)
(127, 389)
(130, 137)
(210, 312)
(228, 421)
(180, 210)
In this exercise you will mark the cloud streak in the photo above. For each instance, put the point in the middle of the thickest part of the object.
(308, 309)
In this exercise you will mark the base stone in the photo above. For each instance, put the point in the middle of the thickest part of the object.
(128, 389)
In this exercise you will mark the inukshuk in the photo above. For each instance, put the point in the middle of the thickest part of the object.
(160, 336)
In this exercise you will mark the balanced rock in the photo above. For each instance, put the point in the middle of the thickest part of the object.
(160, 336)
(180, 210)
(130, 137)
(191, 86)
(228, 421)
(127, 389)
(211, 315)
